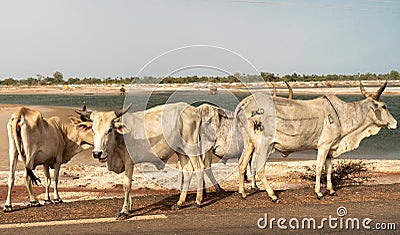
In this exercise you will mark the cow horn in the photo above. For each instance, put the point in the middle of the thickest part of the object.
(378, 94)
(363, 92)
(375, 96)
(84, 114)
(121, 112)
(274, 90)
(290, 90)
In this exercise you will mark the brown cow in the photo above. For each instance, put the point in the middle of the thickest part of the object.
(39, 141)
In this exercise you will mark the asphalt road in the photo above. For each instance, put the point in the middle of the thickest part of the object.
(222, 213)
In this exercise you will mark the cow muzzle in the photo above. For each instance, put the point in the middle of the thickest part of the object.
(392, 126)
(97, 154)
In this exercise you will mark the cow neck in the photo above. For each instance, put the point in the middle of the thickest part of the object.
(353, 116)
(334, 109)
(71, 141)
(120, 150)
(119, 140)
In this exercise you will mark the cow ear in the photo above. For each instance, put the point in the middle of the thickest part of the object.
(121, 128)
(75, 120)
(85, 125)
(80, 124)
(85, 146)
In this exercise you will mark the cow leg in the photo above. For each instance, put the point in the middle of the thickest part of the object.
(48, 182)
(187, 171)
(32, 198)
(198, 166)
(57, 198)
(124, 214)
(210, 175)
(242, 166)
(11, 178)
(270, 191)
(321, 158)
(180, 176)
(252, 175)
(328, 167)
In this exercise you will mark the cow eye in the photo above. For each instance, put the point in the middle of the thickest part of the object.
(109, 130)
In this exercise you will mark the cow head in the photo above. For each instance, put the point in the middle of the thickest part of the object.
(108, 132)
(380, 113)
(216, 129)
(82, 132)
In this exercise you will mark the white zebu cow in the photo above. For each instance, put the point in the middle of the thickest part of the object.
(222, 138)
(153, 136)
(218, 137)
(48, 142)
(327, 124)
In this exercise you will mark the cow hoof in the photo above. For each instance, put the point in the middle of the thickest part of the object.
(254, 190)
(48, 202)
(333, 194)
(321, 198)
(7, 209)
(275, 200)
(176, 207)
(123, 216)
(34, 204)
(36, 181)
(195, 205)
(58, 201)
(219, 190)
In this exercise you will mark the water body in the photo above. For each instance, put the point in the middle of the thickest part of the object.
(385, 145)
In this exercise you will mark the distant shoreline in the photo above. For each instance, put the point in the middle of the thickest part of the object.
(318, 88)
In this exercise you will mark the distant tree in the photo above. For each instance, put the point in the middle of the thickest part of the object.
(9, 82)
(269, 77)
(109, 80)
(49, 81)
(72, 81)
(29, 81)
(135, 80)
(39, 79)
(58, 77)
(91, 81)
(394, 75)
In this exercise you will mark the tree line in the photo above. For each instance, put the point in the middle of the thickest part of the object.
(58, 79)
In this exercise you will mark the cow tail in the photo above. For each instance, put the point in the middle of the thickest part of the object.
(16, 131)
(239, 112)
(17, 122)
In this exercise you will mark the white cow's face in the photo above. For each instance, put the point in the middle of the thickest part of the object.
(107, 130)
(381, 115)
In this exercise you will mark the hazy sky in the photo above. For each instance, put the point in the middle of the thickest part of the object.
(105, 38)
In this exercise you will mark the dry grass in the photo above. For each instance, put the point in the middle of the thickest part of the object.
(344, 173)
